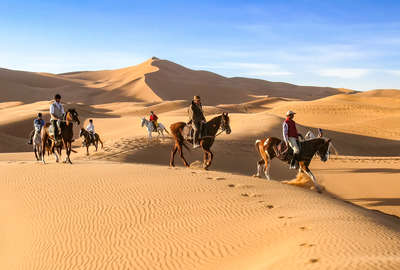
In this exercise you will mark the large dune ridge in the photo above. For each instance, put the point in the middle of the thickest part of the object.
(123, 208)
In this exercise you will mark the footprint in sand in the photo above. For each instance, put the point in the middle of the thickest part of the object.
(313, 260)
(250, 195)
(303, 228)
(269, 206)
(306, 245)
(219, 178)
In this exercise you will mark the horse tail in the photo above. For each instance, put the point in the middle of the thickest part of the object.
(256, 145)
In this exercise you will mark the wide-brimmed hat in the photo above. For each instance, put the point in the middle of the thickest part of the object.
(290, 113)
(196, 98)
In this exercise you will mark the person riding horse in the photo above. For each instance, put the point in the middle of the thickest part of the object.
(291, 137)
(57, 113)
(90, 129)
(38, 123)
(153, 119)
(197, 119)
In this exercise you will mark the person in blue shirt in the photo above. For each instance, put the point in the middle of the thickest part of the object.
(38, 123)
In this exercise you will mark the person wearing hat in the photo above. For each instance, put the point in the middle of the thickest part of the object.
(290, 136)
(38, 123)
(56, 112)
(153, 119)
(196, 117)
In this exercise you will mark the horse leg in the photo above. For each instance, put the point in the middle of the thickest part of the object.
(210, 158)
(96, 145)
(181, 155)
(205, 158)
(266, 161)
(308, 172)
(260, 164)
(172, 159)
(87, 150)
(267, 168)
(69, 152)
(101, 142)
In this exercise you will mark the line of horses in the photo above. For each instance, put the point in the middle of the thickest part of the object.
(181, 133)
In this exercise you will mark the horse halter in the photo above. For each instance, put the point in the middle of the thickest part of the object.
(224, 126)
(325, 156)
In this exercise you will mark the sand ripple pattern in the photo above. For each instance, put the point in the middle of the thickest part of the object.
(100, 215)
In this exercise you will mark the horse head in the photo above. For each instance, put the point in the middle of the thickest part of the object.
(81, 132)
(225, 123)
(74, 116)
(323, 150)
(143, 121)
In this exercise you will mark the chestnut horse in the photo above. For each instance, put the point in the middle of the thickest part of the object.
(179, 131)
(267, 148)
(67, 134)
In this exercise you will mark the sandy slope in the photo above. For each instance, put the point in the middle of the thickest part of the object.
(99, 215)
(108, 212)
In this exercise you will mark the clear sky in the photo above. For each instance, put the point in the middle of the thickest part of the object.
(343, 43)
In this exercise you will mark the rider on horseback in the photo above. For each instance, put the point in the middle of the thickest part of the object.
(290, 136)
(153, 119)
(38, 123)
(90, 129)
(197, 119)
(57, 113)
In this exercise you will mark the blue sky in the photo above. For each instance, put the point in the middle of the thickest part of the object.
(353, 44)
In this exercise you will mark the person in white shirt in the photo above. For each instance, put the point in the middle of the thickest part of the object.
(90, 128)
(56, 113)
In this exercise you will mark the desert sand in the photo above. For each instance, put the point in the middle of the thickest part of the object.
(124, 208)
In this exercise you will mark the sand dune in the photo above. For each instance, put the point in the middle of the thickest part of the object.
(123, 208)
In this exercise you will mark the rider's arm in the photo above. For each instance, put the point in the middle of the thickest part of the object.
(52, 112)
(285, 129)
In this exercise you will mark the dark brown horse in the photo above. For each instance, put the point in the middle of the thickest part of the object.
(67, 134)
(180, 130)
(88, 140)
(267, 148)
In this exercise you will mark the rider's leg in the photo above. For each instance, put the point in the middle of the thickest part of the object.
(55, 128)
(296, 151)
(31, 137)
(196, 132)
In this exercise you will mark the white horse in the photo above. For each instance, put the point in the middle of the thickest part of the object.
(150, 128)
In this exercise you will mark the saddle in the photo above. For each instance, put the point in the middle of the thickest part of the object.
(284, 152)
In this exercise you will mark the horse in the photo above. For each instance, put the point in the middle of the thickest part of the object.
(67, 134)
(88, 140)
(267, 149)
(150, 128)
(180, 130)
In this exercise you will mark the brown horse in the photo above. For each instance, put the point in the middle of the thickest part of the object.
(88, 140)
(179, 132)
(67, 134)
(267, 148)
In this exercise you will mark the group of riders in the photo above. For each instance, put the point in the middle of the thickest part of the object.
(57, 114)
(196, 120)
